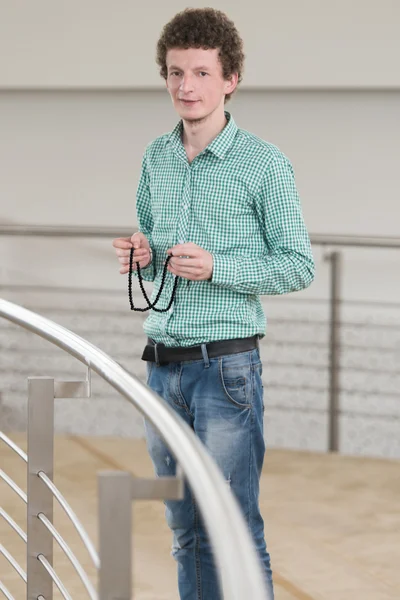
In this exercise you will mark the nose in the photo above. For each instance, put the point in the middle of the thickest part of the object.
(186, 84)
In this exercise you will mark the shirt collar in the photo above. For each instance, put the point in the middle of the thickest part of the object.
(219, 146)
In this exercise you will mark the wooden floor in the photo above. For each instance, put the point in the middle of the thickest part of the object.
(332, 522)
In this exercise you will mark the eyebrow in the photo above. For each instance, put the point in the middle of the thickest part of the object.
(201, 68)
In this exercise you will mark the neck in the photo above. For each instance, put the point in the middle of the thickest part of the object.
(199, 133)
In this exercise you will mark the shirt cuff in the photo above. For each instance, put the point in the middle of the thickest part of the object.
(224, 270)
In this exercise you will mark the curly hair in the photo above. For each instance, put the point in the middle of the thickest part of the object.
(205, 28)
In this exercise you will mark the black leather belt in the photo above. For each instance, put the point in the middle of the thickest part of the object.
(162, 355)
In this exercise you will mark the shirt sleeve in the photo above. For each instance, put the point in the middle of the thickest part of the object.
(145, 218)
(287, 264)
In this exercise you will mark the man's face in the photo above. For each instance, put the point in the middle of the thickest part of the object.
(195, 82)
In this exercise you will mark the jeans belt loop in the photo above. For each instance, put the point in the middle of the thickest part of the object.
(156, 355)
(205, 355)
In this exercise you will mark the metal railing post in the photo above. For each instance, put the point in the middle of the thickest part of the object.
(117, 490)
(334, 351)
(40, 498)
(115, 527)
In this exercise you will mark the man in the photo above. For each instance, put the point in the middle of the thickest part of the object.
(223, 203)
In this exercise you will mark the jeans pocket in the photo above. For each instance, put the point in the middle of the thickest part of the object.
(236, 382)
(149, 368)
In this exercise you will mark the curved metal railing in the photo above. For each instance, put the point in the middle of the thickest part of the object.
(43, 560)
(61, 542)
(13, 446)
(13, 524)
(13, 562)
(70, 555)
(5, 591)
(236, 558)
(74, 519)
(13, 485)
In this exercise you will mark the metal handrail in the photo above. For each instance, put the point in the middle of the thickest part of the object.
(236, 557)
(321, 239)
(13, 486)
(74, 519)
(13, 525)
(71, 556)
(13, 446)
(43, 560)
(13, 562)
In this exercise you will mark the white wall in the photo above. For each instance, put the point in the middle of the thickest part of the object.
(74, 157)
(327, 94)
(110, 43)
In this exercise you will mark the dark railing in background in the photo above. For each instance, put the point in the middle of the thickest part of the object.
(333, 257)
(106, 232)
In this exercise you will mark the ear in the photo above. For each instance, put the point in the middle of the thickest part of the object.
(231, 83)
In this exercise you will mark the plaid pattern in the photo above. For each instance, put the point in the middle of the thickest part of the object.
(238, 200)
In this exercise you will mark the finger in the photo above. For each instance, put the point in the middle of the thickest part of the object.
(183, 271)
(122, 252)
(127, 267)
(122, 243)
(180, 274)
(188, 269)
(127, 261)
(136, 240)
(136, 259)
(139, 240)
(184, 249)
(187, 274)
(184, 262)
(137, 252)
(141, 254)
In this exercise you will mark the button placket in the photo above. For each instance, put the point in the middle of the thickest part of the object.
(182, 229)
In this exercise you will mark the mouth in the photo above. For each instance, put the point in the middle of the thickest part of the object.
(188, 102)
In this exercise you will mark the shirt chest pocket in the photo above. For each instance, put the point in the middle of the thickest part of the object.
(219, 198)
(223, 213)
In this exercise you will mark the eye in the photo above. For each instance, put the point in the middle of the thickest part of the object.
(174, 73)
(203, 73)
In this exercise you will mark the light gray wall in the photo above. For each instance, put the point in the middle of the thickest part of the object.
(74, 158)
(80, 98)
(110, 43)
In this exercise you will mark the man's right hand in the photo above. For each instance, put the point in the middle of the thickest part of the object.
(141, 253)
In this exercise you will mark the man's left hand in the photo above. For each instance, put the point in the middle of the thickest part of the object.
(198, 265)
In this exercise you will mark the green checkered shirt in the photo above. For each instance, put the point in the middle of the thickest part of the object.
(237, 200)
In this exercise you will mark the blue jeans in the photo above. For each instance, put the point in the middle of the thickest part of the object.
(221, 399)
